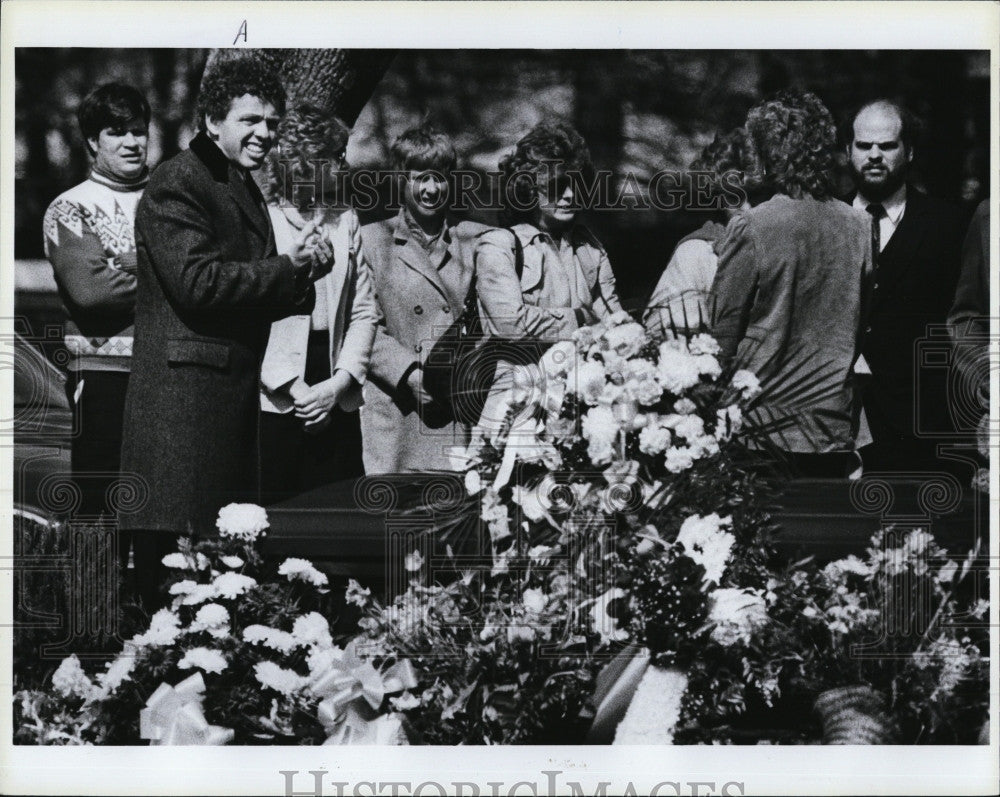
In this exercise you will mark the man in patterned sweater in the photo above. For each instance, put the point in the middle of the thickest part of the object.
(89, 240)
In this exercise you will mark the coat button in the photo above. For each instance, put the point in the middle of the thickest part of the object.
(868, 329)
(418, 309)
(418, 348)
(446, 309)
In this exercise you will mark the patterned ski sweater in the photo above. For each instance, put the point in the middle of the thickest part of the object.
(90, 242)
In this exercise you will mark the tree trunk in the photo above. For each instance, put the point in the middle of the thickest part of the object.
(337, 81)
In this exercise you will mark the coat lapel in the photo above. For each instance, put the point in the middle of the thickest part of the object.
(414, 257)
(902, 248)
(531, 274)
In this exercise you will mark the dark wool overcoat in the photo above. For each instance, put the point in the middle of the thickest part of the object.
(209, 285)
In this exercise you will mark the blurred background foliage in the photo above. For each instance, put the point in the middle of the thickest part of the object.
(640, 111)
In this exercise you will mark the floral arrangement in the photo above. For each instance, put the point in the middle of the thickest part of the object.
(242, 654)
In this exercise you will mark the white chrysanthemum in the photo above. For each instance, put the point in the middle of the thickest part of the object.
(627, 339)
(212, 618)
(117, 672)
(679, 458)
(164, 628)
(69, 679)
(703, 344)
(233, 562)
(232, 585)
(177, 561)
(271, 676)
(242, 521)
(676, 370)
(206, 659)
(747, 383)
(184, 587)
(274, 638)
(199, 594)
(303, 570)
(535, 600)
(356, 594)
(737, 614)
(707, 544)
(312, 629)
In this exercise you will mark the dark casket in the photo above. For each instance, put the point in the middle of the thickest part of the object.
(362, 528)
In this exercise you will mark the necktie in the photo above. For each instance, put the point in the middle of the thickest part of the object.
(877, 212)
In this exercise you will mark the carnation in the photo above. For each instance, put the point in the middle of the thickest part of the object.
(69, 679)
(271, 676)
(737, 614)
(747, 383)
(627, 339)
(599, 424)
(588, 381)
(703, 344)
(676, 370)
(684, 406)
(242, 521)
(534, 600)
(679, 458)
(707, 544)
(303, 570)
(707, 365)
(232, 585)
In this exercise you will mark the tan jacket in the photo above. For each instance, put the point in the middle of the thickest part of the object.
(352, 318)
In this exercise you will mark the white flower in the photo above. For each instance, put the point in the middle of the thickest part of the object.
(836, 571)
(676, 370)
(737, 614)
(707, 544)
(473, 482)
(177, 561)
(356, 594)
(274, 638)
(684, 406)
(520, 633)
(69, 679)
(303, 570)
(559, 359)
(705, 446)
(231, 561)
(184, 587)
(320, 660)
(690, 427)
(199, 594)
(232, 585)
(626, 340)
(213, 618)
(164, 628)
(534, 600)
(645, 391)
(117, 672)
(312, 629)
(413, 561)
(541, 553)
(529, 501)
(207, 659)
(679, 458)
(747, 383)
(703, 344)
(242, 521)
(588, 381)
(655, 710)
(654, 439)
(271, 676)
(599, 424)
(707, 365)
(600, 451)
(404, 702)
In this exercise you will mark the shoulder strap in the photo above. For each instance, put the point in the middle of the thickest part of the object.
(518, 255)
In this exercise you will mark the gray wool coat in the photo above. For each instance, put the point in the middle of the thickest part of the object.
(417, 301)
(209, 285)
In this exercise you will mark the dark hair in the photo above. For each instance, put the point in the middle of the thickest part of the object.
(790, 146)
(912, 126)
(306, 135)
(547, 151)
(110, 105)
(228, 79)
(721, 157)
(423, 148)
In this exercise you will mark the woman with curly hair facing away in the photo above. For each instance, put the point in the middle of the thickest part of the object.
(789, 286)
(681, 297)
(315, 365)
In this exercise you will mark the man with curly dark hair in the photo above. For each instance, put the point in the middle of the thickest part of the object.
(789, 286)
(210, 282)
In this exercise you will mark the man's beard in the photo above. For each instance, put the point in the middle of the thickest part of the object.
(879, 192)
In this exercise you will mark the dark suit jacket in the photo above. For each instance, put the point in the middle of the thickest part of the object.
(209, 285)
(417, 301)
(788, 307)
(913, 288)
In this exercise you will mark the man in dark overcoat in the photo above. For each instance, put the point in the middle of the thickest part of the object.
(209, 285)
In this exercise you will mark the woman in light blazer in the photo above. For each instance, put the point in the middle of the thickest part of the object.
(315, 365)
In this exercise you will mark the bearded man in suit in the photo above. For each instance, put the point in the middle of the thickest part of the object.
(919, 242)
(210, 283)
